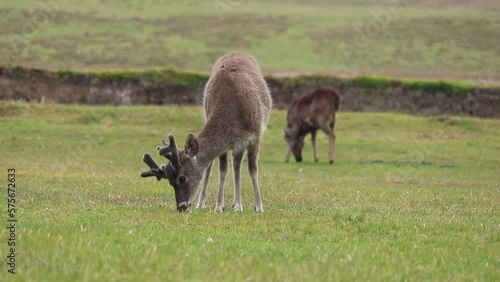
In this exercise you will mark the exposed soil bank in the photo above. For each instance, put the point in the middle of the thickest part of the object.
(168, 86)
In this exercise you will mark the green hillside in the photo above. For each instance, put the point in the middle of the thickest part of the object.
(411, 39)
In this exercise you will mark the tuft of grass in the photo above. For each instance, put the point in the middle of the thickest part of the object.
(377, 82)
(173, 77)
(372, 82)
(68, 74)
(440, 86)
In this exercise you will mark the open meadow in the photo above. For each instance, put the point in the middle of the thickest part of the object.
(411, 39)
(408, 198)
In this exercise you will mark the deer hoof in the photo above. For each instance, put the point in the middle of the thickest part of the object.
(331, 161)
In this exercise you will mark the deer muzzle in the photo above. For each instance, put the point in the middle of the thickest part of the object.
(184, 206)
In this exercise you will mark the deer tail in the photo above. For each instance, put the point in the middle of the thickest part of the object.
(337, 99)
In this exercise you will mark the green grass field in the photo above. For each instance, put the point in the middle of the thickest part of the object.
(428, 212)
(409, 39)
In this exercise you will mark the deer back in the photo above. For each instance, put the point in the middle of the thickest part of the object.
(236, 100)
(237, 104)
(307, 112)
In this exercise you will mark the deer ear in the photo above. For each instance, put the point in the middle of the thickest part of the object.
(191, 147)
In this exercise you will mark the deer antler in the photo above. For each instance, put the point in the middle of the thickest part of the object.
(170, 152)
(155, 170)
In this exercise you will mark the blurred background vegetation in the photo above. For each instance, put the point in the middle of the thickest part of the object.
(445, 39)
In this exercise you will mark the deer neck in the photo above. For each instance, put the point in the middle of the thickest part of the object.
(211, 145)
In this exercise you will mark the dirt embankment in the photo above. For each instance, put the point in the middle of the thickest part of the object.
(394, 96)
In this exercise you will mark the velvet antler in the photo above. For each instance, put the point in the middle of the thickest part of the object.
(170, 152)
(155, 170)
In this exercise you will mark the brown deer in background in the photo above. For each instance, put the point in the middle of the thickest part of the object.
(307, 114)
(237, 105)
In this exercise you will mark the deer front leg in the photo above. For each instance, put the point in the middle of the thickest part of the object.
(288, 155)
(313, 139)
(331, 138)
(332, 141)
(219, 207)
(237, 160)
(202, 199)
(253, 158)
(332, 146)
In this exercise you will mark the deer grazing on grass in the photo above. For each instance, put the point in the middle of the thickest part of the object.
(237, 105)
(307, 114)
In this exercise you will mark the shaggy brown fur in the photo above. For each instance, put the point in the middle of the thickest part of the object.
(237, 105)
(307, 114)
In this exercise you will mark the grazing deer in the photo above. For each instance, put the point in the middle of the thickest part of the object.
(237, 104)
(307, 114)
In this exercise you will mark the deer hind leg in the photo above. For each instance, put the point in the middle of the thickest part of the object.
(329, 130)
(253, 158)
(219, 206)
(202, 198)
(237, 160)
(332, 142)
(313, 139)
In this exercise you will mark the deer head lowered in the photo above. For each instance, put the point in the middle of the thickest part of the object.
(237, 104)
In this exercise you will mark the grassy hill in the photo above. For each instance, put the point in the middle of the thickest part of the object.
(413, 39)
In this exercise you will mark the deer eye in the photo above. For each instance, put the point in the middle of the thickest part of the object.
(182, 179)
